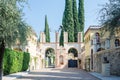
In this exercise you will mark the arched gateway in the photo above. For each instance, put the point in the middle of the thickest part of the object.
(54, 55)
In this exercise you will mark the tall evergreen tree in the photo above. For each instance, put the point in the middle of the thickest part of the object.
(62, 38)
(81, 14)
(67, 22)
(46, 31)
(76, 22)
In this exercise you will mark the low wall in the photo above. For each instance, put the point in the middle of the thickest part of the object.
(113, 55)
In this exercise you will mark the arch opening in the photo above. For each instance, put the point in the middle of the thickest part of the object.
(72, 53)
(72, 58)
(50, 58)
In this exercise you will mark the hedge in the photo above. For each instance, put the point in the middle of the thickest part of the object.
(15, 61)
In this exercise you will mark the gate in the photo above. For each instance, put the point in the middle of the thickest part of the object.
(72, 63)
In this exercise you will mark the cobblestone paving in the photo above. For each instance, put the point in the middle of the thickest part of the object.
(58, 74)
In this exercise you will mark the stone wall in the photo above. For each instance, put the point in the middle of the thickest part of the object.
(113, 55)
(82, 60)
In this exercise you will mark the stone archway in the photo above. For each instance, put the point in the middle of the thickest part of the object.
(72, 58)
(73, 52)
(50, 58)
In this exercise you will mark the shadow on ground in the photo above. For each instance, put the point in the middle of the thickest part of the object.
(59, 74)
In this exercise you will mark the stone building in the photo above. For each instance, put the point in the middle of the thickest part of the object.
(50, 54)
(91, 45)
(82, 57)
(109, 48)
(54, 55)
(32, 47)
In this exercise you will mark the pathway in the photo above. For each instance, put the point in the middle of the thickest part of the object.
(58, 74)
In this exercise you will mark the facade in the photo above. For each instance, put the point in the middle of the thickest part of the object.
(101, 47)
(50, 54)
(109, 51)
(63, 56)
(31, 47)
(91, 45)
(82, 57)
(108, 41)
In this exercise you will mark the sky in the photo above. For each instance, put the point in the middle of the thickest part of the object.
(36, 10)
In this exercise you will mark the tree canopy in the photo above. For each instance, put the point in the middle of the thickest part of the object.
(67, 22)
(110, 16)
(12, 27)
(75, 19)
(81, 15)
(46, 30)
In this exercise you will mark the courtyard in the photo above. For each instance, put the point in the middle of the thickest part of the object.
(58, 74)
(60, 40)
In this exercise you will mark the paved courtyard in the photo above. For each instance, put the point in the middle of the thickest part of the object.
(58, 74)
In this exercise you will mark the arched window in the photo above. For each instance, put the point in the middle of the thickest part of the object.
(117, 42)
(97, 37)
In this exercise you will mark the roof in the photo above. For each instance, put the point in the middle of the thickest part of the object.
(93, 27)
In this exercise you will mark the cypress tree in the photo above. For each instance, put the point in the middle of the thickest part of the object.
(67, 22)
(46, 30)
(81, 15)
(76, 22)
(62, 31)
(62, 38)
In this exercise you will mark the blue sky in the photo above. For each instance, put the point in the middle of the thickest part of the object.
(36, 10)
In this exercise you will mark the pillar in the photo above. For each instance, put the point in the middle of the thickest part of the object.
(42, 37)
(80, 37)
(65, 37)
(57, 37)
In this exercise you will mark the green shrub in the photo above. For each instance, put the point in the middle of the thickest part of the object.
(15, 61)
(26, 59)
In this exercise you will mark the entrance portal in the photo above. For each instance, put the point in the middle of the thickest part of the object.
(50, 58)
(73, 58)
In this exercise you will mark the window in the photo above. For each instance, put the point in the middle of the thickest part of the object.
(91, 42)
(117, 42)
(97, 37)
(107, 43)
